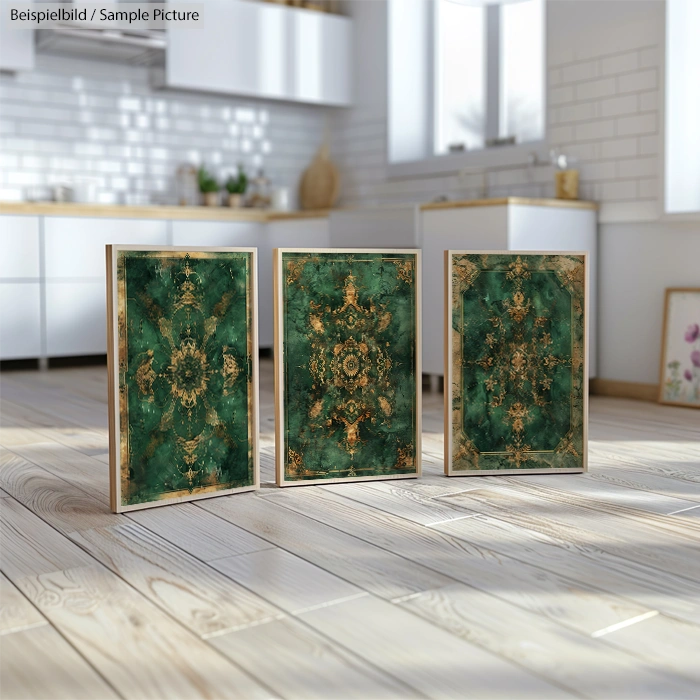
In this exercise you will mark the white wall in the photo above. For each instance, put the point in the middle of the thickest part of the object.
(637, 262)
(605, 69)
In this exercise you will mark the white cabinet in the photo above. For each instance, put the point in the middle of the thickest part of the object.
(76, 318)
(20, 287)
(247, 47)
(500, 227)
(385, 227)
(75, 246)
(321, 58)
(20, 320)
(74, 251)
(16, 44)
(19, 247)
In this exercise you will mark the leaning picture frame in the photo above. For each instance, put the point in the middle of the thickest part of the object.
(679, 369)
(516, 362)
(182, 362)
(347, 365)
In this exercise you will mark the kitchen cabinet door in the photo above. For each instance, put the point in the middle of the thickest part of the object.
(76, 318)
(75, 246)
(20, 320)
(19, 247)
(263, 50)
(321, 55)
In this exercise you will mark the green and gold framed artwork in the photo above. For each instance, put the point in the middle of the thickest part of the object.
(516, 374)
(183, 374)
(347, 365)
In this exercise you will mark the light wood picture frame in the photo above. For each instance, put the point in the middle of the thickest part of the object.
(347, 354)
(516, 362)
(679, 369)
(182, 359)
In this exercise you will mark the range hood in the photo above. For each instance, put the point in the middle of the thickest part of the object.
(116, 42)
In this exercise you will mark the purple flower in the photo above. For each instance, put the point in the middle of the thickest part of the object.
(688, 375)
(695, 358)
(693, 333)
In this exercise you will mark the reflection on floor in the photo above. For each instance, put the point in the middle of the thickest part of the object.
(541, 586)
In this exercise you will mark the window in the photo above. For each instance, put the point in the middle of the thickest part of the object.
(477, 78)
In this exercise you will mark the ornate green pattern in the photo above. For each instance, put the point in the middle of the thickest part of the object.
(349, 393)
(518, 343)
(185, 373)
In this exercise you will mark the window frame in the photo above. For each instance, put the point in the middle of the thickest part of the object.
(450, 163)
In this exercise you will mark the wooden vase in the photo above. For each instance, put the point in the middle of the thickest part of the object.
(566, 182)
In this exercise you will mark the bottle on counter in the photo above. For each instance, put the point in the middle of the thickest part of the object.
(260, 191)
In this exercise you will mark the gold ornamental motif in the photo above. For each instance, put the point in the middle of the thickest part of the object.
(356, 361)
(189, 373)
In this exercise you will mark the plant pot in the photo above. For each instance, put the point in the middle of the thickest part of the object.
(211, 199)
(235, 201)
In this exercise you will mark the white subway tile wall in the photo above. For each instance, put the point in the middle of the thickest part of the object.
(603, 110)
(73, 120)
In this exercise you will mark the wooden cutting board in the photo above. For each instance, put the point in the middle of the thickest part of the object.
(320, 183)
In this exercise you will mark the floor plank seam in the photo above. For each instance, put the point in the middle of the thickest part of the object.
(330, 603)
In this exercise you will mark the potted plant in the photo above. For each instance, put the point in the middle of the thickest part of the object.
(209, 187)
(236, 187)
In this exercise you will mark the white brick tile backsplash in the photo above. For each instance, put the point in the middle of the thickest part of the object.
(577, 112)
(639, 124)
(595, 89)
(621, 63)
(584, 70)
(594, 130)
(649, 57)
(637, 168)
(648, 145)
(561, 95)
(619, 190)
(649, 101)
(614, 106)
(105, 122)
(84, 119)
(638, 81)
(599, 171)
(559, 135)
(648, 189)
(554, 77)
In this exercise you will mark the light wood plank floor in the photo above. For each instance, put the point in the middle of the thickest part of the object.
(534, 586)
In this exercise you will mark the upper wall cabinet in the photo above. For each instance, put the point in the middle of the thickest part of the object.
(246, 47)
(16, 45)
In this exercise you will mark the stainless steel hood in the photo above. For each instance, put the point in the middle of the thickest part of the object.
(116, 42)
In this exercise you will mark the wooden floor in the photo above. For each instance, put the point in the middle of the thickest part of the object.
(537, 587)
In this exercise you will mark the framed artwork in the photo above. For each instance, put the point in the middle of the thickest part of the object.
(347, 365)
(680, 350)
(183, 374)
(516, 375)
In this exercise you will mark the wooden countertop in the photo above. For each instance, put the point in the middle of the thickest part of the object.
(502, 201)
(114, 211)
